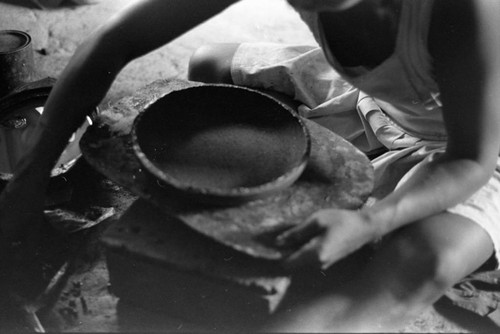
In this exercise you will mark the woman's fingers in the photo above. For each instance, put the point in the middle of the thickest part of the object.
(319, 252)
(306, 257)
(300, 234)
(327, 237)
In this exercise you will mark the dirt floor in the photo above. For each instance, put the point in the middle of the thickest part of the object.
(85, 304)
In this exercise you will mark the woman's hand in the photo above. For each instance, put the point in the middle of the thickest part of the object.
(326, 237)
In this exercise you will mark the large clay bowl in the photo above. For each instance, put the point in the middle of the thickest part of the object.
(221, 144)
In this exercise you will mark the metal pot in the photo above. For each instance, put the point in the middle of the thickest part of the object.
(19, 113)
(16, 60)
(22, 101)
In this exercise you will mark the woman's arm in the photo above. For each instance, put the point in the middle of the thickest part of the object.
(139, 29)
(466, 49)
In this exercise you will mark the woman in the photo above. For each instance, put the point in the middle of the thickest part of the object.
(424, 76)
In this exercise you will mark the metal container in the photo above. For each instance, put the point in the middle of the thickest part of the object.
(16, 60)
(22, 101)
(19, 114)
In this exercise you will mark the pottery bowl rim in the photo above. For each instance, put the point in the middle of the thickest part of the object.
(226, 195)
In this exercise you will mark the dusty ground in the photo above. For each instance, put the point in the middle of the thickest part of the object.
(57, 32)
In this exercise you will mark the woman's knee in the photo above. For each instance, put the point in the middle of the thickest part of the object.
(418, 264)
(439, 251)
(212, 63)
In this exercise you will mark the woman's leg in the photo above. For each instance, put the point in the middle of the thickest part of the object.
(409, 272)
(212, 63)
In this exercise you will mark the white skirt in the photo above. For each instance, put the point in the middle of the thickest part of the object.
(303, 73)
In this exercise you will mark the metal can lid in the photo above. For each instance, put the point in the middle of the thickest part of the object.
(13, 41)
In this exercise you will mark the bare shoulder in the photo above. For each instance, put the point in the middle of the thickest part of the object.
(452, 26)
(463, 25)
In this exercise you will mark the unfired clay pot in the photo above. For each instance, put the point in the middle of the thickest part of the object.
(221, 144)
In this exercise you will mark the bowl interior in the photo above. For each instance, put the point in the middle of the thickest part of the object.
(220, 137)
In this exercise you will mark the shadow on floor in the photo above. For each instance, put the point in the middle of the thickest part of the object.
(27, 273)
(20, 3)
(31, 4)
(466, 319)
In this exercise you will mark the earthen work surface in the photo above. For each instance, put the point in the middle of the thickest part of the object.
(337, 175)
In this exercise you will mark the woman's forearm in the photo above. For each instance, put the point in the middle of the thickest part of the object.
(433, 188)
(78, 91)
(139, 29)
